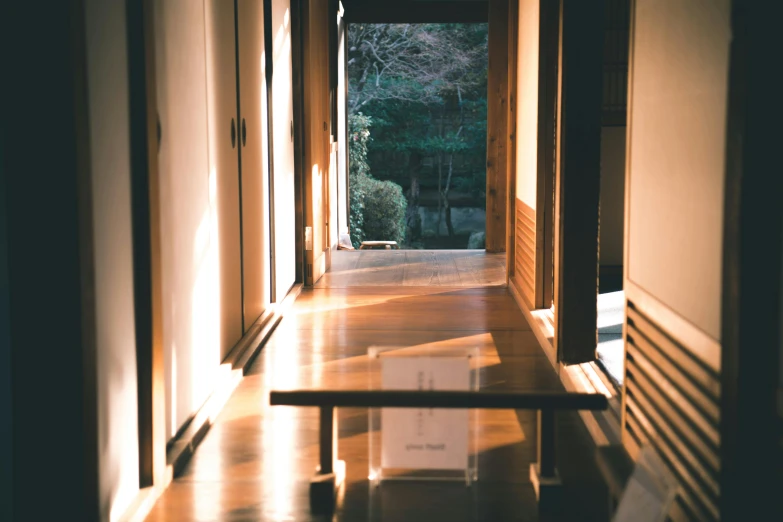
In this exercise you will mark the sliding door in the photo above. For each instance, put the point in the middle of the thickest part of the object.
(224, 167)
(255, 158)
(189, 253)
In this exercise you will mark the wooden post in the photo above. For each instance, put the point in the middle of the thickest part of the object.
(328, 440)
(330, 473)
(578, 178)
(543, 473)
(497, 116)
(511, 146)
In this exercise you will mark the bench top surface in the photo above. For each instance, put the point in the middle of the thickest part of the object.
(378, 243)
(440, 399)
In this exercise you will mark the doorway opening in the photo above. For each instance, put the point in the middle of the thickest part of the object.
(417, 135)
(611, 297)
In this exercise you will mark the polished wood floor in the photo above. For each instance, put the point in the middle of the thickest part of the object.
(256, 462)
(461, 268)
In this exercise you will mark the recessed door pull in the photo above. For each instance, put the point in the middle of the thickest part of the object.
(233, 133)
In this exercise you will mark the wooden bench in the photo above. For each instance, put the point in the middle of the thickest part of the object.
(330, 472)
(379, 244)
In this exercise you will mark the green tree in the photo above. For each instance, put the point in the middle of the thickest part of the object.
(424, 86)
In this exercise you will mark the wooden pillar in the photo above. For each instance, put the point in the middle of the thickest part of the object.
(148, 294)
(751, 416)
(578, 177)
(497, 127)
(511, 146)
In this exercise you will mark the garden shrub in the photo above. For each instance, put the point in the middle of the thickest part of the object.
(377, 208)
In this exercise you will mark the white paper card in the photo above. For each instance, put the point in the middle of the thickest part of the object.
(424, 438)
(650, 490)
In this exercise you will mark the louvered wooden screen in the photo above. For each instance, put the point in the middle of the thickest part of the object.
(672, 403)
(525, 252)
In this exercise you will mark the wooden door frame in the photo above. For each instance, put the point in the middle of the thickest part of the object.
(548, 86)
(269, 65)
(297, 87)
(147, 268)
(497, 127)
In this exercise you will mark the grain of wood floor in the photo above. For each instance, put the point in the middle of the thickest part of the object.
(256, 461)
(414, 268)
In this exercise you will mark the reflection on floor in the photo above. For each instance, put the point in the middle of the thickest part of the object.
(256, 461)
(611, 355)
(415, 268)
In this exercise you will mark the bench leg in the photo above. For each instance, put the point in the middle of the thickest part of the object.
(330, 473)
(543, 473)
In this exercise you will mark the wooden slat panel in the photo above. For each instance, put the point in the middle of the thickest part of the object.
(672, 403)
(690, 492)
(703, 461)
(526, 228)
(525, 250)
(525, 280)
(699, 371)
(701, 397)
(688, 431)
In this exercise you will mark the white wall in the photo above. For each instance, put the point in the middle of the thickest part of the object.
(612, 195)
(283, 143)
(118, 450)
(190, 279)
(527, 101)
(678, 124)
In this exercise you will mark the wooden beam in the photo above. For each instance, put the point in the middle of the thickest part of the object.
(751, 425)
(497, 128)
(411, 12)
(548, 58)
(511, 146)
(148, 296)
(578, 179)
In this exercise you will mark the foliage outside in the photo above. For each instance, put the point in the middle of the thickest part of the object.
(377, 208)
(422, 89)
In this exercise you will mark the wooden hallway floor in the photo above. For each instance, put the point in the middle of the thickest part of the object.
(256, 461)
(462, 268)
